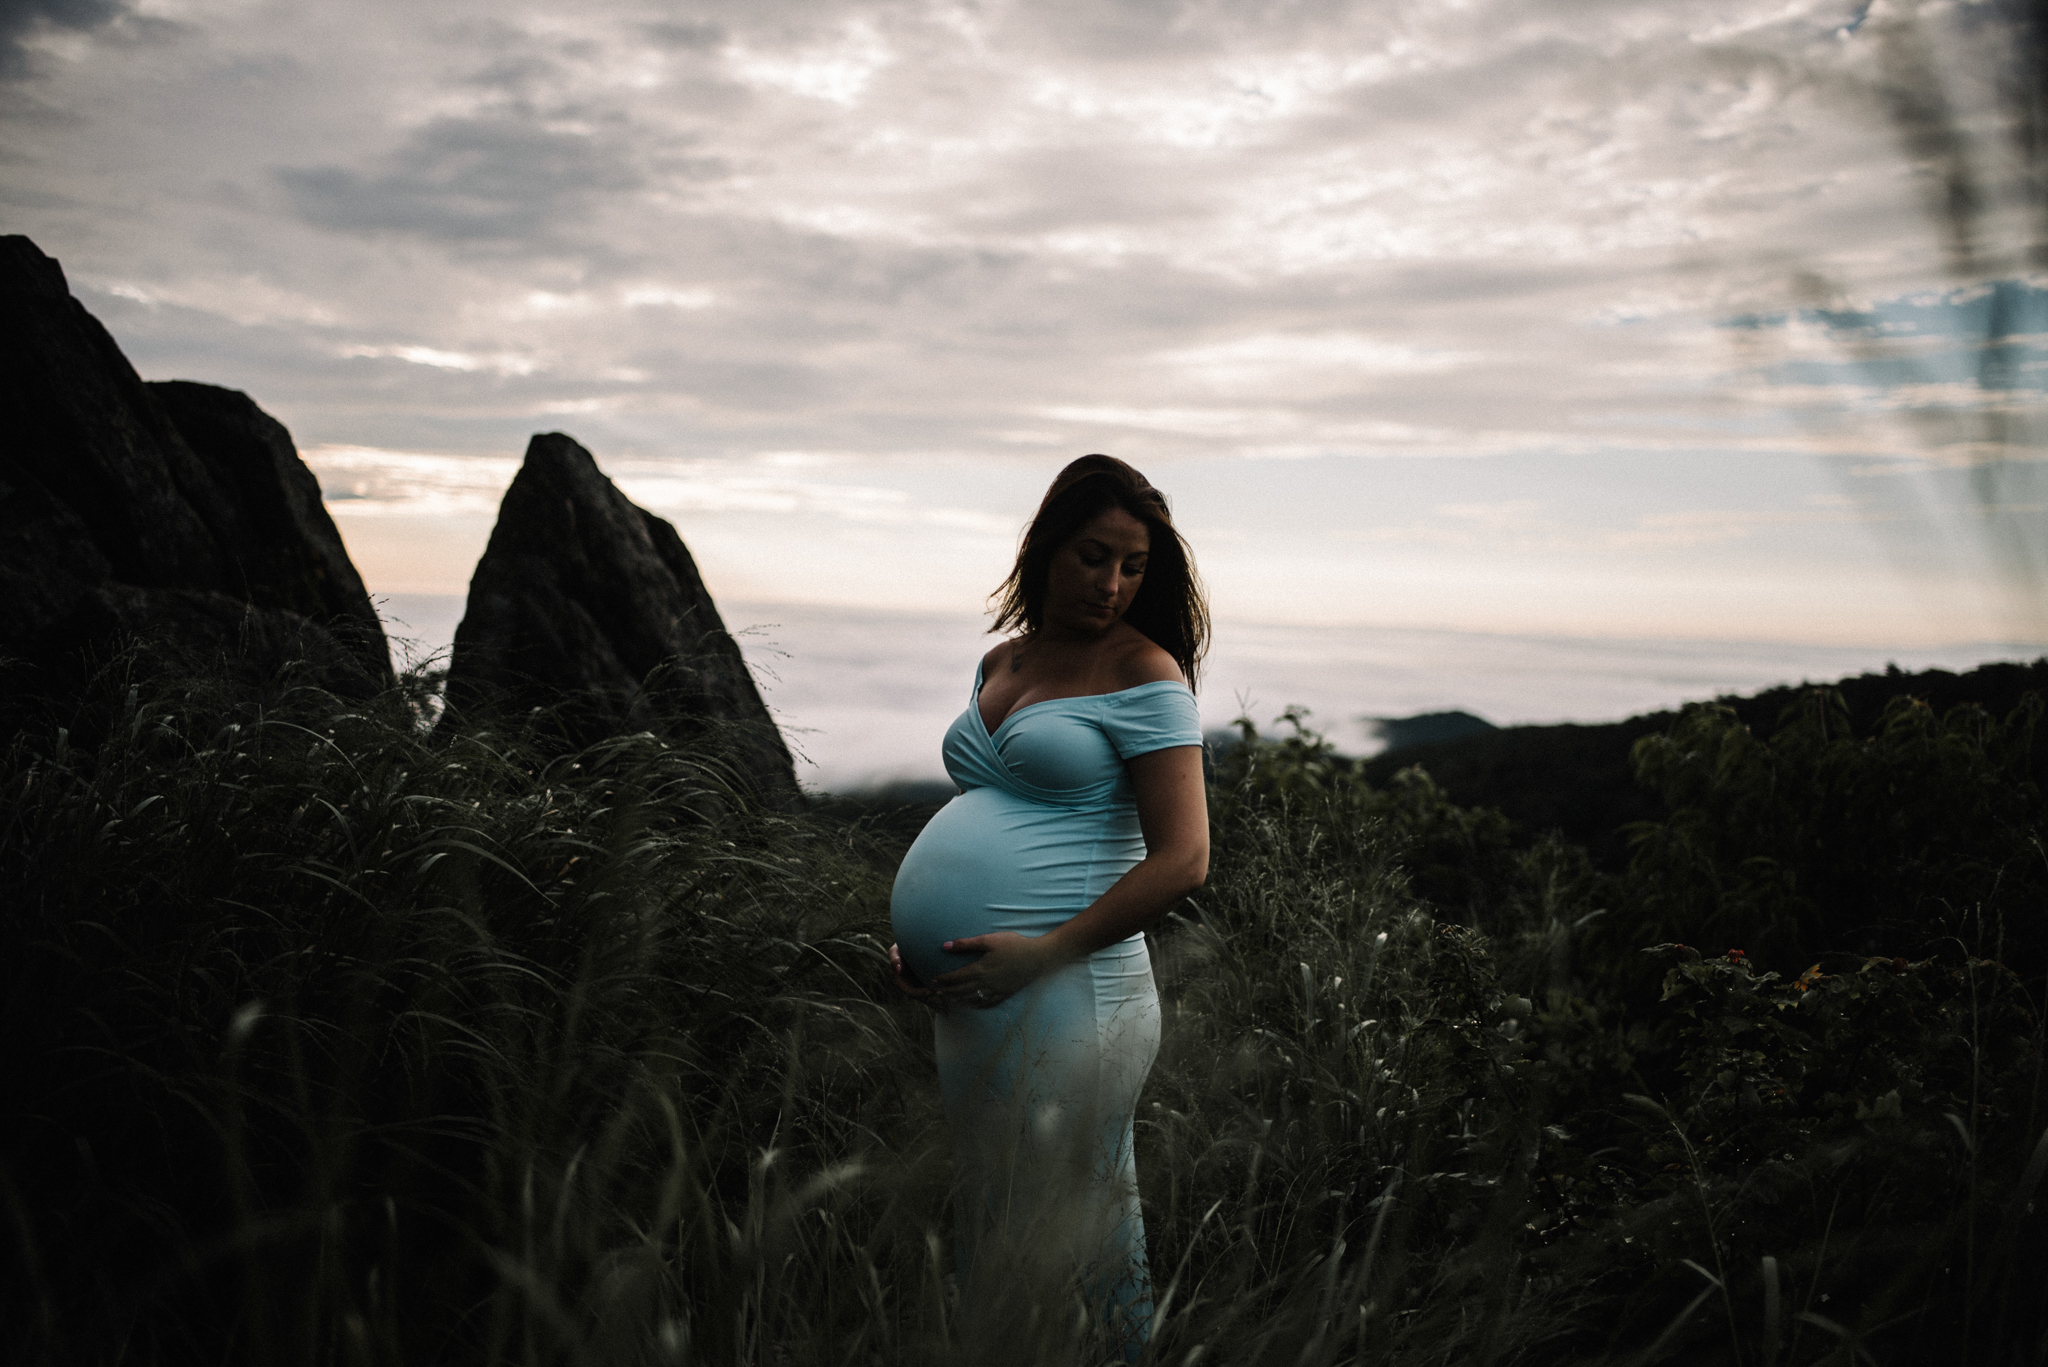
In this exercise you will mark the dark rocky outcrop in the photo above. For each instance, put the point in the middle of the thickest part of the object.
(589, 605)
(177, 516)
(285, 550)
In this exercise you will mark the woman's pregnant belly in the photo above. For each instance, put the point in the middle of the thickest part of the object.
(990, 861)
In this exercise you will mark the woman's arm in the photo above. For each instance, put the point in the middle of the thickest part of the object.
(1173, 814)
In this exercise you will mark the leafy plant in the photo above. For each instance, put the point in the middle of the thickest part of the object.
(1818, 839)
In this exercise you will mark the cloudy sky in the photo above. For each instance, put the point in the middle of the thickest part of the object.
(1601, 317)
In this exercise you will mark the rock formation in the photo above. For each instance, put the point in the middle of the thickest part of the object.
(177, 515)
(284, 548)
(588, 604)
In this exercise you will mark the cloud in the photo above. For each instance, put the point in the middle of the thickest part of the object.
(954, 244)
(694, 37)
(838, 71)
(1711, 527)
(20, 19)
(1304, 364)
(1528, 525)
(710, 489)
(244, 300)
(497, 177)
(502, 364)
(358, 481)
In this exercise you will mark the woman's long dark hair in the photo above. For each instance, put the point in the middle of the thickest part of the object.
(1169, 610)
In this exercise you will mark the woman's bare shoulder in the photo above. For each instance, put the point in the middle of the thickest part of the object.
(997, 659)
(1142, 660)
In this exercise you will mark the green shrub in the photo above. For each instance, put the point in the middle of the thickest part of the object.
(1818, 839)
(1773, 1067)
(1684, 1177)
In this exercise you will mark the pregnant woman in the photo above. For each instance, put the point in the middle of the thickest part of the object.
(1019, 912)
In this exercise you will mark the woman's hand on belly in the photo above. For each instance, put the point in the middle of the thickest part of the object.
(908, 982)
(1009, 963)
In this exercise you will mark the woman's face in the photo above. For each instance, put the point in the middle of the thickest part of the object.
(1093, 578)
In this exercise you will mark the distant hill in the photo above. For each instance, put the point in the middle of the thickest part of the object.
(1577, 778)
(1398, 733)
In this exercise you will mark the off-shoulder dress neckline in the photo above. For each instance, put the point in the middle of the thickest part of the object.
(1016, 712)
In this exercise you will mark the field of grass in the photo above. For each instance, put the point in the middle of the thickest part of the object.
(335, 1038)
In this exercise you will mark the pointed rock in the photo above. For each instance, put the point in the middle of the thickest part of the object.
(83, 428)
(116, 522)
(589, 604)
(283, 546)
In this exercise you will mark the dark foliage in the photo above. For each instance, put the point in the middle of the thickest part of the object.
(1888, 840)
(1579, 780)
(308, 1006)
(343, 1039)
(1718, 1162)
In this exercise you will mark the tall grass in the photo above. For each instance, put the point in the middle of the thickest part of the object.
(340, 1038)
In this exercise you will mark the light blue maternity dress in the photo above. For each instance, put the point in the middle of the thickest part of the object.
(1040, 1090)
